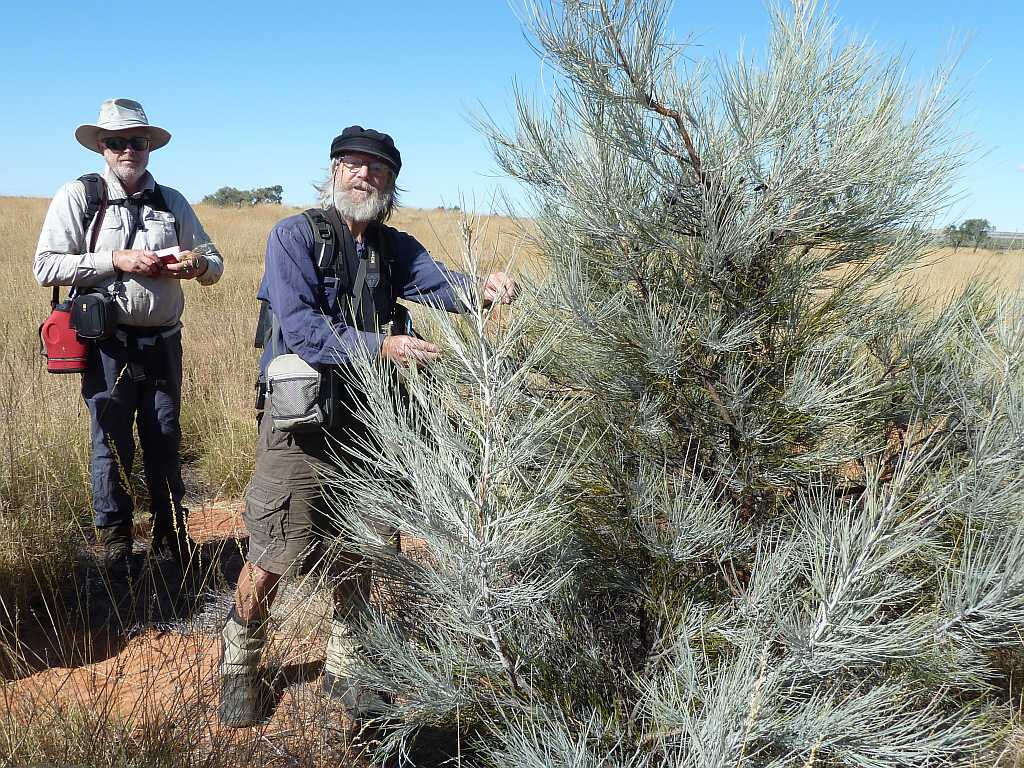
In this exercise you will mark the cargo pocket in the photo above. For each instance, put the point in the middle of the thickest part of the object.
(266, 510)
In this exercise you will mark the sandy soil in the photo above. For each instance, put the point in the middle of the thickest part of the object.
(150, 657)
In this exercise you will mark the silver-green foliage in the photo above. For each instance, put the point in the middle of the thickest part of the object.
(722, 492)
(474, 469)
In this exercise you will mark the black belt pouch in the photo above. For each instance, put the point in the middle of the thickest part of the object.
(94, 316)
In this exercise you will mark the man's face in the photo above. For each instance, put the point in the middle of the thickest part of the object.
(124, 153)
(362, 187)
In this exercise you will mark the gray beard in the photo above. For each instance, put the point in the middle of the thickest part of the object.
(127, 175)
(366, 210)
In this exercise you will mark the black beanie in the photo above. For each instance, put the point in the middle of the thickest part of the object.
(355, 138)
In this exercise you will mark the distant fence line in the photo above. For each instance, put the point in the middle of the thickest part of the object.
(993, 241)
(1004, 241)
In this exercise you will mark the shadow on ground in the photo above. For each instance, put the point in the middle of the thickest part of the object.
(94, 616)
(430, 747)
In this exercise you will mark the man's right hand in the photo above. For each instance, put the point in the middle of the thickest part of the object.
(407, 349)
(138, 262)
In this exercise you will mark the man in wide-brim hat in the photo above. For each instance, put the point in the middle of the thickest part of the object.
(120, 115)
(101, 235)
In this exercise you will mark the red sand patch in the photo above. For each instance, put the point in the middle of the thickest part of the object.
(221, 519)
(218, 519)
(155, 673)
(166, 678)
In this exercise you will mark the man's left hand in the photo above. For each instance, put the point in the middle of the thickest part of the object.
(499, 288)
(188, 266)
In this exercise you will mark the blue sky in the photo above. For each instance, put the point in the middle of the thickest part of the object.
(253, 92)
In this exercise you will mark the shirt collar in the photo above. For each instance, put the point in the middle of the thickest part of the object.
(116, 190)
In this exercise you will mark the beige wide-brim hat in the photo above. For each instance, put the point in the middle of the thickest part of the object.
(120, 115)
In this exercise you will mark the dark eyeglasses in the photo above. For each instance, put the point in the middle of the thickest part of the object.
(120, 143)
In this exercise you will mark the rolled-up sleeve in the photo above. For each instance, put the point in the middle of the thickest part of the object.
(292, 287)
(192, 234)
(61, 257)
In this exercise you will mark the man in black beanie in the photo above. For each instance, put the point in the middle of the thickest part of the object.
(324, 314)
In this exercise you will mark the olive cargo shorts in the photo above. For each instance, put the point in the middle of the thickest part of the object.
(285, 510)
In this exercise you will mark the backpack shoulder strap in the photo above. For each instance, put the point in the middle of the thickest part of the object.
(386, 248)
(325, 250)
(157, 201)
(95, 201)
(325, 241)
(263, 326)
(385, 235)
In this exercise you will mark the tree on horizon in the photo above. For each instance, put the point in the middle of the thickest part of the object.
(229, 196)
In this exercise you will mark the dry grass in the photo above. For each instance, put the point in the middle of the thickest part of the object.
(946, 271)
(44, 476)
(83, 685)
(148, 696)
(77, 714)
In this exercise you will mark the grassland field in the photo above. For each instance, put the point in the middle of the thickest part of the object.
(44, 479)
(109, 687)
(44, 488)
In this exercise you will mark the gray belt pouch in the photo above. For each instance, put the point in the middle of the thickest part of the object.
(293, 391)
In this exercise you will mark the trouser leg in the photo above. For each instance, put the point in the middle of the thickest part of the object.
(159, 424)
(351, 579)
(285, 517)
(111, 397)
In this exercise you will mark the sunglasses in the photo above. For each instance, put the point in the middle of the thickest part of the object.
(120, 143)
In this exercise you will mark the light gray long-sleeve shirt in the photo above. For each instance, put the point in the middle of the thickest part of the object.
(63, 256)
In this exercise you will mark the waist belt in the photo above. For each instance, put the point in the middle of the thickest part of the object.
(139, 336)
(148, 331)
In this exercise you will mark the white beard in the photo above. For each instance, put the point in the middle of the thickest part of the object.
(363, 209)
(129, 175)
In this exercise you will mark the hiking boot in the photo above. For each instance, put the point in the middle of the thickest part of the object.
(245, 700)
(179, 546)
(338, 684)
(358, 702)
(245, 697)
(171, 537)
(116, 544)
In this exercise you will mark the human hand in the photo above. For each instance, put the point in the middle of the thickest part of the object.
(189, 265)
(499, 287)
(137, 262)
(407, 349)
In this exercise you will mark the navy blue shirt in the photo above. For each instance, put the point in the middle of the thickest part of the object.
(292, 287)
